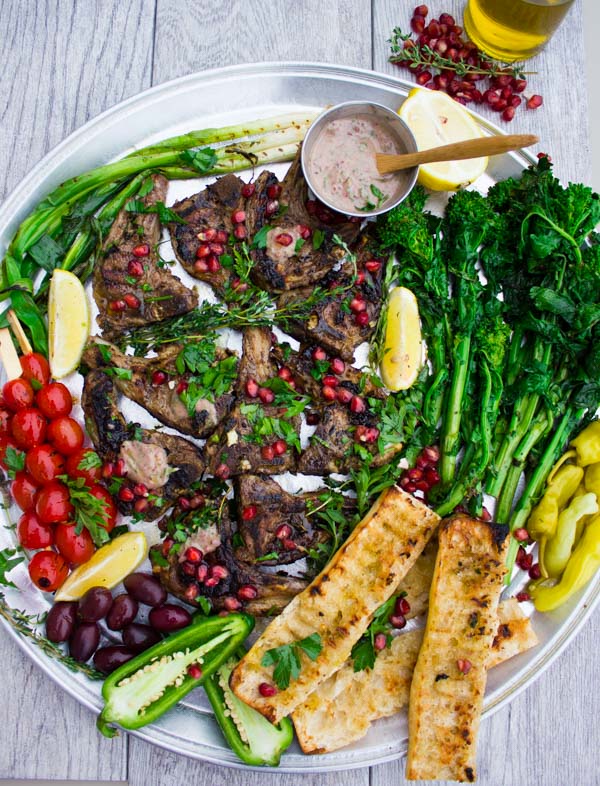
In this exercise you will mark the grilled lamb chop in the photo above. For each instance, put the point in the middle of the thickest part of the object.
(332, 323)
(164, 464)
(129, 255)
(240, 443)
(260, 592)
(208, 217)
(161, 400)
(264, 508)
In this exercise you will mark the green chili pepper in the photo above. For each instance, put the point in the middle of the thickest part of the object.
(144, 688)
(558, 549)
(587, 444)
(582, 564)
(249, 734)
(544, 517)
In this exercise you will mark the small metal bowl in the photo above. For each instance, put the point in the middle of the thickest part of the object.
(404, 180)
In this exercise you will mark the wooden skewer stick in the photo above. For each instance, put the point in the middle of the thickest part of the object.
(8, 355)
(22, 339)
(457, 151)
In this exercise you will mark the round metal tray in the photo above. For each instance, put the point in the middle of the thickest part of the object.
(215, 98)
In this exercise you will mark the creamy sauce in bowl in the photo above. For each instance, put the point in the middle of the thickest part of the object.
(342, 165)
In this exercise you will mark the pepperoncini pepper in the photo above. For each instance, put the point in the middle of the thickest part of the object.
(592, 478)
(587, 444)
(581, 566)
(558, 549)
(543, 520)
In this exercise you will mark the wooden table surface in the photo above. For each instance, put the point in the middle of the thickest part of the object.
(63, 62)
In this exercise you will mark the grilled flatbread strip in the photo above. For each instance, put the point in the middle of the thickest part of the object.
(446, 696)
(328, 719)
(339, 602)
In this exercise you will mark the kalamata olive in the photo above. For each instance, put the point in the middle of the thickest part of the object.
(139, 637)
(107, 659)
(95, 604)
(61, 619)
(122, 612)
(84, 641)
(145, 588)
(169, 617)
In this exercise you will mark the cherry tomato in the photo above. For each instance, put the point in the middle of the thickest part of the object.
(35, 366)
(91, 474)
(66, 435)
(44, 463)
(76, 549)
(54, 400)
(5, 443)
(23, 490)
(17, 394)
(53, 503)
(48, 570)
(32, 533)
(28, 427)
(110, 509)
(5, 420)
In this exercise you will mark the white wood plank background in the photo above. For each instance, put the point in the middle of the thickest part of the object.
(64, 61)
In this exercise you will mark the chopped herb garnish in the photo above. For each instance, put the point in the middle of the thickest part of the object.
(14, 461)
(317, 239)
(260, 238)
(8, 561)
(287, 658)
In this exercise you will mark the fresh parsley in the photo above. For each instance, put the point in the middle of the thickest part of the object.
(210, 377)
(265, 428)
(14, 461)
(287, 658)
(364, 653)
(201, 160)
(317, 239)
(8, 561)
(260, 238)
(89, 511)
(91, 460)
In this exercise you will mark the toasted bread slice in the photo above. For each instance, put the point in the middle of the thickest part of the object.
(328, 720)
(338, 604)
(446, 696)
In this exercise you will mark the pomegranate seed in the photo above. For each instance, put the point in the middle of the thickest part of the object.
(357, 405)
(398, 621)
(372, 265)
(421, 10)
(500, 105)
(464, 665)
(304, 231)
(194, 671)
(283, 532)
(534, 102)
(319, 354)
(284, 239)
(238, 216)
(311, 207)
(344, 396)
(193, 554)
(410, 487)
(182, 386)
(213, 264)
(202, 572)
(422, 462)
(252, 388)
(417, 24)
(518, 85)
(288, 545)
(249, 512)
(166, 546)
(447, 19)
(423, 78)
(503, 80)
(402, 606)
(491, 97)
(274, 191)
(267, 453)
(521, 535)
(188, 568)
(284, 373)
(120, 468)
(207, 236)
(135, 268)
(508, 114)
(535, 571)
(312, 418)
(140, 505)
(328, 393)
(141, 251)
(421, 485)
(337, 366)
(247, 592)
(239, 232)
(357, 304)
(140, 490)
(525, 562)
(222, 472)
(248, 189)
(191, 592)
(184, 503)
(159, 378)
(271, 207)
(266, 396)
(197, 501)
(117, 305)
(211, 581)
(126, 494)
(219, 572)
(330, 381)
(516, 101)
(132, 301)
(108, 470)
(432, 476)
(522, 596)
(221, 236)
(431, 453)
(362, 319)
(200, 266)
(202, 251)
(415, 474)
(218, 249)
(267, 690)
(506, 93)
(232, 604)
(360, 278)
(485, 514)
(279, 447)
(380, 642)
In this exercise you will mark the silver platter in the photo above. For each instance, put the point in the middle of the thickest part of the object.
(215, 98)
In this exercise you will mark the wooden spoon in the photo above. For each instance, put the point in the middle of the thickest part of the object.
(457, 151)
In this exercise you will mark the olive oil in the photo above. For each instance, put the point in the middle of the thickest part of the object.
(511, 30)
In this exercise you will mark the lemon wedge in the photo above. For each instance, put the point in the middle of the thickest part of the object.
(403, 347)
(436, 119)
(68, 322)
(107, 567)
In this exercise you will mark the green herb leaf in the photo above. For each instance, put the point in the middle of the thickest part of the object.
(287, 661)
(299, 243)
(7, 562)
(89, 511)
(14, 460)
(317, 239)
(91, 460)
(266, 557)
(201, 160)
(260, 238)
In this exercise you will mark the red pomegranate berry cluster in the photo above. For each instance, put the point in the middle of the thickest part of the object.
(284, 534)
(135, 269)
(397, 618)
(424, 475)
(501, 92)
(212, 246)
